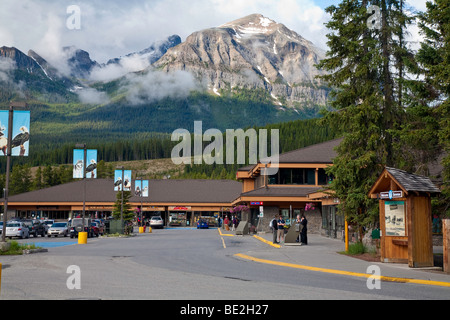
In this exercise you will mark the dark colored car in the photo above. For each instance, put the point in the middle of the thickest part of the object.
(202, 224)
(76, 226)
(100, 228)
(95, 229)
(35, 227)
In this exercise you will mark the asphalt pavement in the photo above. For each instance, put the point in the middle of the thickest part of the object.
(323, 254)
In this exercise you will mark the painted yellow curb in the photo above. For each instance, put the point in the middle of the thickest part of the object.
(268, 242)
(225, 234)
(347, 273)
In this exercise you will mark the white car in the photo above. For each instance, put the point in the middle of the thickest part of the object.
(58, 229)
(156, 222)
(17, 229)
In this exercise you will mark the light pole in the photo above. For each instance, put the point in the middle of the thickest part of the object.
(141, 195)
(122, 169)
(12, 106)
(83, 238)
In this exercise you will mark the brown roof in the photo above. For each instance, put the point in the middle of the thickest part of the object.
(167, 190)
(413, 182)
(318, 153)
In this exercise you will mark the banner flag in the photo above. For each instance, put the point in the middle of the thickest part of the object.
(20, 133)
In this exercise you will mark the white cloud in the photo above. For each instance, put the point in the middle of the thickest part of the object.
(92, 96)
(156, 85)
(6, 66)
(115, 28)
(126, 65)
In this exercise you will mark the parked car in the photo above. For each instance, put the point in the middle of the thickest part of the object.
(17, 229)
(100, 227)
(48, 223)
(202, 224)
(35, 227)
(156, 222)
(76, 226)
(95, 229)
(58, 229)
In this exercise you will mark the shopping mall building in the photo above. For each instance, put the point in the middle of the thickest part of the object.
(297, 188)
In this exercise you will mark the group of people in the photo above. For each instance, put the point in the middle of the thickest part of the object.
(277, 224)
(230, 223)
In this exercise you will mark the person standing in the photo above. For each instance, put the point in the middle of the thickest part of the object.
(303, 233)
(280, 225)
(273, 226)
(225, 223)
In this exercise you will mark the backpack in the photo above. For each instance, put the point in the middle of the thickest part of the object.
(271, 224)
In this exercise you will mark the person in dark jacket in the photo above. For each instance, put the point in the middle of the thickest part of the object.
(274, 227)
(303, 233)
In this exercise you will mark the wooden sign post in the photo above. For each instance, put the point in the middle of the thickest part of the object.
(446, 244)
(405, 217)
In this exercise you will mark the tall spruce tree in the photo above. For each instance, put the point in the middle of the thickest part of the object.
(434, 61)
(363, 63)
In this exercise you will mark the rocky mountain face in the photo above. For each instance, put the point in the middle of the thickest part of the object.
(153, 53)
(20, 60)
(252, 52)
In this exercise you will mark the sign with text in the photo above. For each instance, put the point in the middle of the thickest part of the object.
(391, 194)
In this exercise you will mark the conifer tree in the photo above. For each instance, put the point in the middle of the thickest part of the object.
(366, 107)
(434, 60)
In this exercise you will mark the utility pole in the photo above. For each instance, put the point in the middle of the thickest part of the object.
(12, 106)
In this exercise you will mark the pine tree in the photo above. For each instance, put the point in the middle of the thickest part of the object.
(127, 213)
(365, 104)
(434, 61)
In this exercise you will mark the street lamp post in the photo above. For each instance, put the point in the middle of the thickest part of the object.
(12, 106)
(83, 146)
(122, 187)
(140, 195)
(83, 238)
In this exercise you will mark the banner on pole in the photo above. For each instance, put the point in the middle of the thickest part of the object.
(125, 183)
(20, 133)
(141, 190)
(78, 163)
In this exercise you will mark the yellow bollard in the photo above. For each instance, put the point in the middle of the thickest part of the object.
(141, 229)
(149, 229)
(82, 237)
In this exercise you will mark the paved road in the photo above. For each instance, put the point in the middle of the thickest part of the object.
(191, 264)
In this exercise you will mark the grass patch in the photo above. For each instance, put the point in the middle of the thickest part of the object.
(17, 248)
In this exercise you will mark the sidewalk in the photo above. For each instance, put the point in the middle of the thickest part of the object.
(322, 255)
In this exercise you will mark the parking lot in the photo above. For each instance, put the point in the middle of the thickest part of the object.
(31, 230)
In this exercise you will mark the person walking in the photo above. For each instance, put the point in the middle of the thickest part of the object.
(233, 223)
(280, 225)
(303, 233)
(225, 223)
(274, 227)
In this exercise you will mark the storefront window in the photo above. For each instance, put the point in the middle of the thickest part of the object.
(294, 176)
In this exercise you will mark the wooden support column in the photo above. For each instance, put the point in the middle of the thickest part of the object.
(446, 243)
